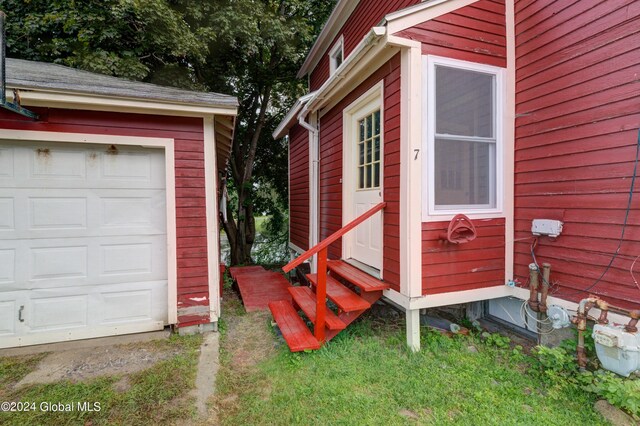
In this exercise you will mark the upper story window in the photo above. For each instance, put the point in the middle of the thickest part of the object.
(464, 137)
(336, 55)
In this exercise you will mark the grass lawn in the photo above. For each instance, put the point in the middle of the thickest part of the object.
(366, 376)
(159, 394)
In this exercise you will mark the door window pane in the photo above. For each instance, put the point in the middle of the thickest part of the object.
(369, 151)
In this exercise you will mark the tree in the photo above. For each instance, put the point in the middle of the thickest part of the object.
(136, 39)
(249, 48)
(259, 47)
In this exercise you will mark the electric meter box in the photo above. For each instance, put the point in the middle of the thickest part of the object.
(617, 350)
(552, 228)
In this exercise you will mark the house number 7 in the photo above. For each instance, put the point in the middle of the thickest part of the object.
(417, 151)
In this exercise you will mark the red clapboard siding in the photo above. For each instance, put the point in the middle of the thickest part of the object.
(576, 133)
(331, 168)
(473, 33)
(455, 267)
(366, 15)
(189, 168)
(299, 187)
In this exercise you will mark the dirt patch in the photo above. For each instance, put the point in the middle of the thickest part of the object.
(247, 341)
(87, 363)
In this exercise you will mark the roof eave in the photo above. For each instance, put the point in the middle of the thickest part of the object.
(291, 118)
(38, 97)
(337, 19)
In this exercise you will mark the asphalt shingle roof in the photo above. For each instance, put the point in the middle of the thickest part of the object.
(22, 74)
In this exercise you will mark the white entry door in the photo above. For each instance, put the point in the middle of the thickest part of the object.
(366, 241)
(83, 245)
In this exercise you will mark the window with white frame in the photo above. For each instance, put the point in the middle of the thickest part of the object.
(336, 55)
(464, 136)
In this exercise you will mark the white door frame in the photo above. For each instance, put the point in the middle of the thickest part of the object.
(375, 95)
(167, 144)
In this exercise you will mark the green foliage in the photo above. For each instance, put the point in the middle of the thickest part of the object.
(135, 39)
(497, 340)
(558, 367)
(367, 376)
(623, 393)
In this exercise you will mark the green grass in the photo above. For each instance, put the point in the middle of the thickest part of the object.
(260, 223)
(365, 376)
(13, 369)
(159, 394)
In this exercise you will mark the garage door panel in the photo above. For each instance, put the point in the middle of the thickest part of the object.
(57, 212)
(57, 163)
(125, 259)
(56, 312)
(52, 263)
(133, 211)
(7, 214)
(6, 162)
(7, 266)
(127, 306)
(126, 166)
(8, 315)
(129, 302)
(83, 247)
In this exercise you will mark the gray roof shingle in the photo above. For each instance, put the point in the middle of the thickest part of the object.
(24, 74)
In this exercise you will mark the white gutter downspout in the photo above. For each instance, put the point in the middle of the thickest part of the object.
(314, 175)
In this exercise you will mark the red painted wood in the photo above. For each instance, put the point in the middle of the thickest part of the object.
(344, 298)
(299, 186)
(575, 142)
(356, 277)
(473, 33)
(259, 288)
(294, 330)
(236, 271)
(187, 133)
(331, 142)
(366, 15)
(305, 298)
(321, 294)
(456, 267)
(325, 243)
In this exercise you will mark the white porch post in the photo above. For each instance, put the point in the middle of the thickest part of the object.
(413, 329)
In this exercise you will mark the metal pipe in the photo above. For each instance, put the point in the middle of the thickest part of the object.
(581, 323)
(533, 287)
(632, 326)
(546, 273)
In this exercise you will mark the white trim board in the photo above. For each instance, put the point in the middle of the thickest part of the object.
(213, 231)
(429, 213)
(422, 12)
(446, 299)
(509, 142)
(341, 12)
(162, 143)
(367, 103)
(51, 99)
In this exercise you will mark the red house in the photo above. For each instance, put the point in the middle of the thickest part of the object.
(108, 205)
(504, 111)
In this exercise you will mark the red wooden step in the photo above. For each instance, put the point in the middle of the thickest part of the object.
(355, 276)
(236, 271)
(346, 299)
(293, 329)
(306, 299)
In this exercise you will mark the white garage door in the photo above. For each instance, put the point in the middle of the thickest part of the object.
(82, 241)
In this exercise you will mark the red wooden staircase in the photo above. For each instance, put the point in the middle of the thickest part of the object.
(351, 290)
